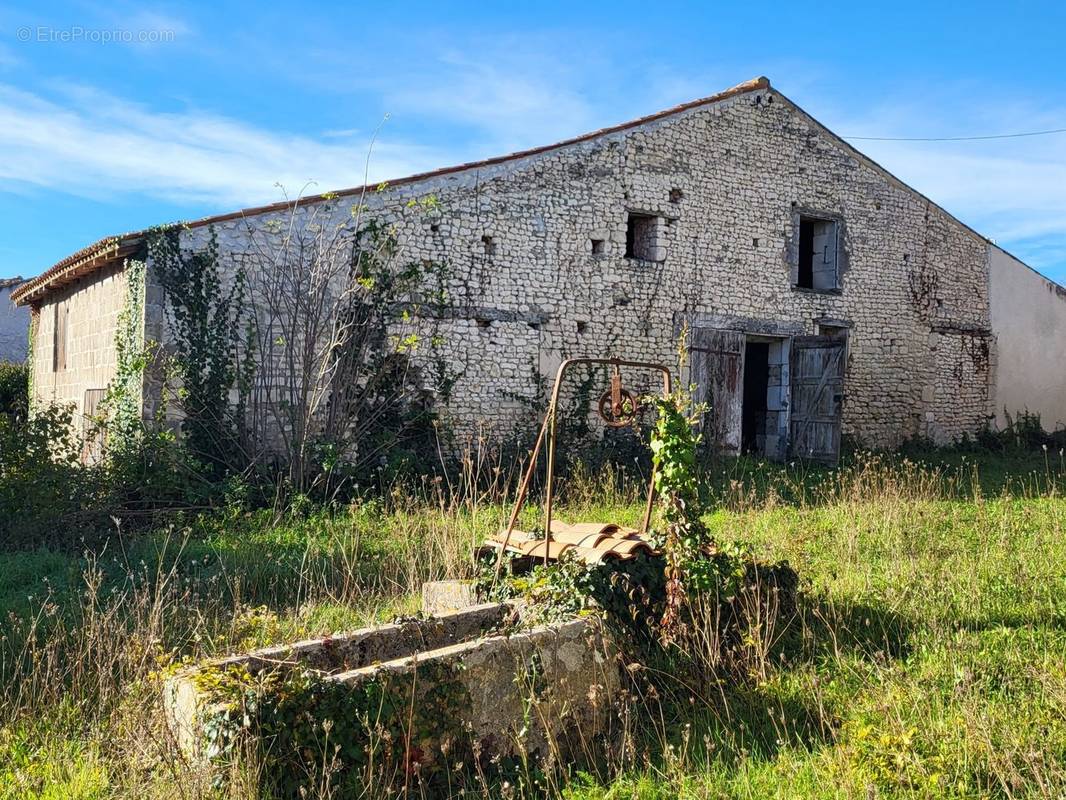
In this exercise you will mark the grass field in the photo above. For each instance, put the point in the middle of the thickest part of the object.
(928, 658)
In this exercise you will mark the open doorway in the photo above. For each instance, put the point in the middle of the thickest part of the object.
(744, 380)
(756, 382)
(764, 407)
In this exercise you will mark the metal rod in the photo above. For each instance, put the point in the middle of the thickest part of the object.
(549, 495)
(549, 427)
(523, 489)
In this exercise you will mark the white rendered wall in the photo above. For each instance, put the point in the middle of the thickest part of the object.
(1029, 321)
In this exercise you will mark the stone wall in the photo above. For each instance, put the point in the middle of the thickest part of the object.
(536, 248)
(14, 324)
(91, 305)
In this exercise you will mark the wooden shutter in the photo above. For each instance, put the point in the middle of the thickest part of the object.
(824, 260)
(59, 342)
(817, 397)
(716, 358)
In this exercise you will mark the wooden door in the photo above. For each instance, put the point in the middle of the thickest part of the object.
(817, 397)
(716, 358)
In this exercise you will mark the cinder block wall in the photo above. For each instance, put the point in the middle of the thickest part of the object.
(727, 180)
(92, 305)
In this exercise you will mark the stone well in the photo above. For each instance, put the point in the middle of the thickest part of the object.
(473, 680)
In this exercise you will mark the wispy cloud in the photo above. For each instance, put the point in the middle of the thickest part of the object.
(1020, 194)
(479, 97)
(149, 29)
(1011, 190)
(487, 91)
(514, 96)
(86, 142)
(92, 144)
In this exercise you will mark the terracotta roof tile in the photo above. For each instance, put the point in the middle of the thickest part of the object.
(592, 542)
(79, 263)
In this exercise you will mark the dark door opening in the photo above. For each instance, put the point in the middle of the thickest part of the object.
(756, 382)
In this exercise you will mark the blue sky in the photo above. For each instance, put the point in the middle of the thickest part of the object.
(206, 108)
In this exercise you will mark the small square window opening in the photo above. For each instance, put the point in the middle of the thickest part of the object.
(645, 237)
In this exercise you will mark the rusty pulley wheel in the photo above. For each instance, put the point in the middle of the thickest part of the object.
(617, 407)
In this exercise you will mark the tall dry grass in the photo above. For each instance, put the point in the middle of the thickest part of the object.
(893, 553)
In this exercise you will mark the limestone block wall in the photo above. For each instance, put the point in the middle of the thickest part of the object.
(536, 251)
(91, 305)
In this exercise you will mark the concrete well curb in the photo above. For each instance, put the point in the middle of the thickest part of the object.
(537, 692)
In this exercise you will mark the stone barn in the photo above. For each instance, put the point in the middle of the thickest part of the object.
(823, 296)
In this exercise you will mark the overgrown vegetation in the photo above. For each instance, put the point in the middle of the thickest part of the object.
(313, 387)
(14, 389)
(926, 657)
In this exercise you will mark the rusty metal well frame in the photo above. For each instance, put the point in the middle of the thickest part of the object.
(611, 399)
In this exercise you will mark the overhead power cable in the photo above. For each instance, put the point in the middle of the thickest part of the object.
(952, 138)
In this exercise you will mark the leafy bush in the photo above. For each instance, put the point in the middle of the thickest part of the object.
(14, 389)
(1023, 432)
(45, 491)
(49, 497)
(157, 471)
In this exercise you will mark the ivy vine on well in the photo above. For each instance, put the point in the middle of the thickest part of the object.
(647, 595)
(694, 561)
(385, 728)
